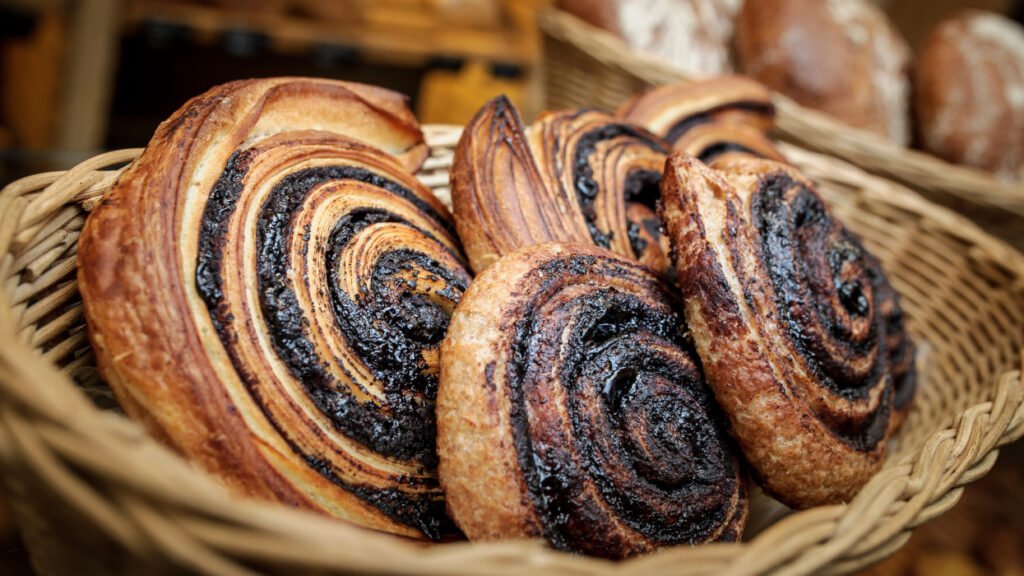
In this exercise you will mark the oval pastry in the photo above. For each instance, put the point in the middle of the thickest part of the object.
(798, 331)
(842, 57)
(270, 300)
(693, 36)
(722, 117)
(571, 408)
(576, 176)
(969, 92)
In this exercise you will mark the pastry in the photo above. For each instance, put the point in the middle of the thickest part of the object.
(693, 36)
(900, 347)
(708, 119)
(842, 57)
(571, 408)
(969, 93)
(797, 329)
(267, 295)
(574, 176)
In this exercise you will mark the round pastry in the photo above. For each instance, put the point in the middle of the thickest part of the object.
(571, 408)
(576, 176)
(969, 93)
(691, 35)
(797, 329)
(270, 300)
(709, 119)
(842, 57)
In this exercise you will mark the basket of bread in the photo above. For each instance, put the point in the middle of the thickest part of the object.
(945, 119)
(301, 333)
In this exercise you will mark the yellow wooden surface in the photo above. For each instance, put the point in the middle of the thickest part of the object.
(31, 82)
(452, 97)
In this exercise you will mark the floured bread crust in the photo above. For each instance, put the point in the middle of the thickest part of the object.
(842, 57)
(969, 93)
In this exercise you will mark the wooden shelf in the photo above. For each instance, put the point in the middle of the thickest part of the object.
(380, 33)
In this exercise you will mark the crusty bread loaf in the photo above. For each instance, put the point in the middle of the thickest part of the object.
(692, 35)
(842, 57)
(969, 93)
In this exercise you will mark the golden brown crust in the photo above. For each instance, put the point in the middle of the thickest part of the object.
(842, 57)
(794, 322)
(969, 93)
(570, 408)
(725, 116)
(213, 275)
(573, 176)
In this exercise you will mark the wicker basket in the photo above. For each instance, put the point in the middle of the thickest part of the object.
(94, 494)
(585, 66)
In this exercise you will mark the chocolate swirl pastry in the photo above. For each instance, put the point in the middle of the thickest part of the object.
(799, 333)
(899, 345)
(727, 116)
(270, 300)
(571, 408)
(575, 176)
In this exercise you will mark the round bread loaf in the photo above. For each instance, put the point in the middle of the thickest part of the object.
(969, 93)
(842, 57)
(691, 35)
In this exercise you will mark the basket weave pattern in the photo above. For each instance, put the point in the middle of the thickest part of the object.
(94, 494)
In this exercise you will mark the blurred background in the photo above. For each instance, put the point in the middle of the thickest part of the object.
(78, 76)
(81, 76)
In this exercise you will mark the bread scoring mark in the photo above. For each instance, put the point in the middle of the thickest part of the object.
(602, 341)
(404, 428)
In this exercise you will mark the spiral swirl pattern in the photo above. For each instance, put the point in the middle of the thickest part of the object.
(900, 346)
(571, 408)
(724, 117)
(573, 176)
(794, 322)
(302, 289)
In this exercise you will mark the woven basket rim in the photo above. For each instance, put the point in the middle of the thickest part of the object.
(797, 123)
(164, 508)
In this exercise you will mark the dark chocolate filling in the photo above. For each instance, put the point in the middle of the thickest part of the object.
(688, 123)
(406, 428)
(901, 348)
(813, 264)
(641, 184)
(709, 153)
(645, 429)
(642, 187)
